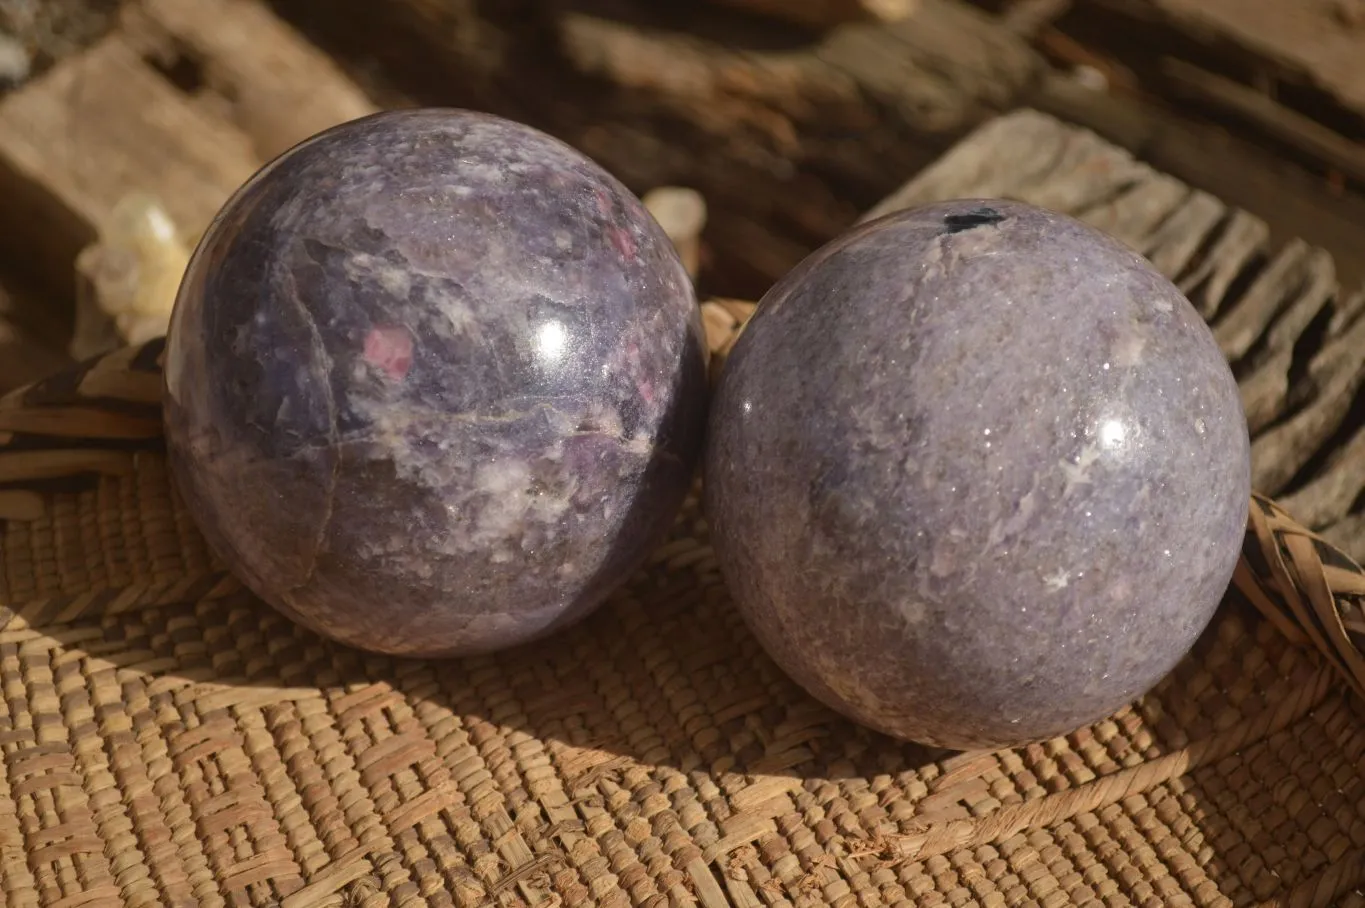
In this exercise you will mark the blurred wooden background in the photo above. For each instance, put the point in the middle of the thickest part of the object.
(124, 125)
(789, 118)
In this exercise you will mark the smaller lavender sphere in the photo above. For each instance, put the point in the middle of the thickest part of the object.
(435, 383)
(977, 474)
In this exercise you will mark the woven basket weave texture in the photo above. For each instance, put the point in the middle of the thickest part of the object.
(168, 740)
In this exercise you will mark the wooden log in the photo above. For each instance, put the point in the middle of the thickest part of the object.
(146, 132)
(788, 135)
(94, 130)
(1296, 345)
(105, 123)
(249, 66)
(1281, 122)
(1287, 200)
(1297, 43)
(825, 13)
(1029, 17)
(1287, 75)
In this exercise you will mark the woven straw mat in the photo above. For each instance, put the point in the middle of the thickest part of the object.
(168, 740)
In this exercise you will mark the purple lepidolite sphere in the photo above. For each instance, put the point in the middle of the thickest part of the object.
(977, 474)
(435, 383)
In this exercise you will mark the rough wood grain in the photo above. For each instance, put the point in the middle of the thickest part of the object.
(1290, 200)
(180, 106)
(787, 134)
(824, 13)
(1294, 41)
(93, 130)
(1029, 17)
(247, 64)
(1334, 149)
(104, 123)
(1283, 76)
(1295, 343)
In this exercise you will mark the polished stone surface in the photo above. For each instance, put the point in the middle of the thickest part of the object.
(435, 383)
(977, 474)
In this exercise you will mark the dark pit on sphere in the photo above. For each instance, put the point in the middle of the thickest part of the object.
(977, 474)
(435, 383)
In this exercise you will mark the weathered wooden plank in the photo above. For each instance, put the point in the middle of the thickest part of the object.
(249, 66)
(1295, 41)
(96, 129)
(105, 123)
(1283, 123)
(118, 157)
(1029, 17)
(1257, 102)
(1291, 200)
(824, 13)
(1296, 344)
(788, 134)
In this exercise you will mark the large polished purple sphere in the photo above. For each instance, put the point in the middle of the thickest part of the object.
(977, 474)
(435, 383)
